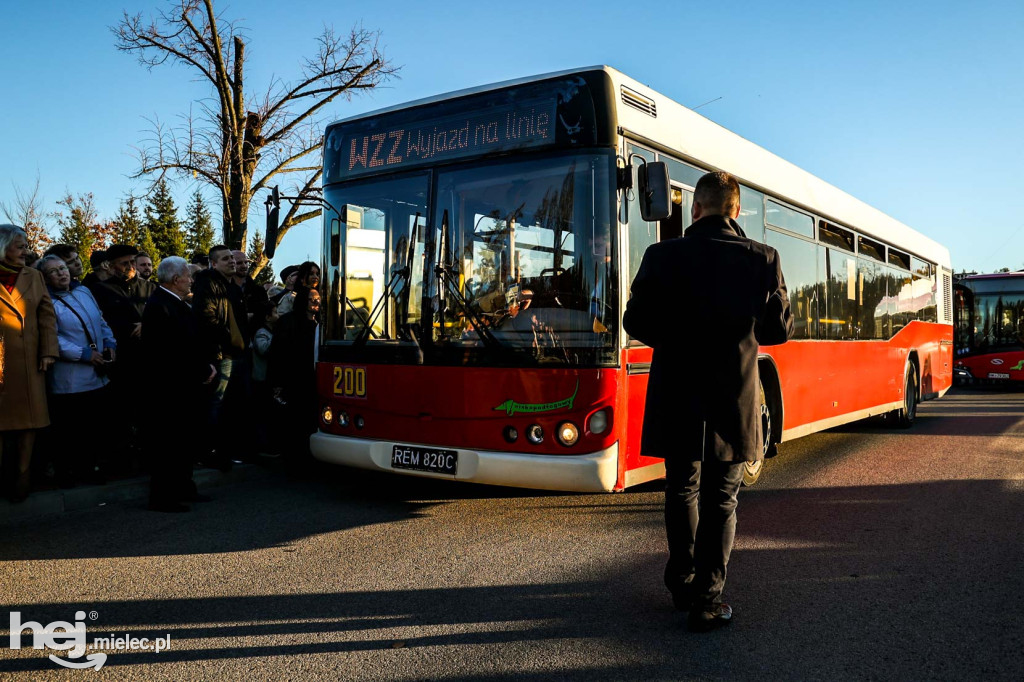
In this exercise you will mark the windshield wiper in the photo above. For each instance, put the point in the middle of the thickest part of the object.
(398, 275)
(445, 274)
(362, 317)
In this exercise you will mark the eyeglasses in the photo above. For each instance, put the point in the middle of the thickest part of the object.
(59, 268)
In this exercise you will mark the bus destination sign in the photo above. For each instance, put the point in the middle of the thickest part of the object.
(514, 126)
(553, 113)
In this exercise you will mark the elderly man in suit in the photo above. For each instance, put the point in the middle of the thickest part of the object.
(179, 364)
(702, 413)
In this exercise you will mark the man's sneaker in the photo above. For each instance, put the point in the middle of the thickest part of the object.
(711, 617)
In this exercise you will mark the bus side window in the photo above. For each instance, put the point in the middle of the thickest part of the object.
(751, 217)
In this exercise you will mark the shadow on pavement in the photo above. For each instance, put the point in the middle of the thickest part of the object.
(910, 581)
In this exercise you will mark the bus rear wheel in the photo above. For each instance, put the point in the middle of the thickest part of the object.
(752, 470)
(906, 415)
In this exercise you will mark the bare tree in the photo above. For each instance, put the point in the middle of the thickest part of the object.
(236, 143)
(27, 211)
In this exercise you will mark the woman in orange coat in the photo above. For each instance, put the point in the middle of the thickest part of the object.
(29, 329)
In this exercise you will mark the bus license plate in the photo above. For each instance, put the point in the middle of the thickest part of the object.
(998, 375)
(432, 460)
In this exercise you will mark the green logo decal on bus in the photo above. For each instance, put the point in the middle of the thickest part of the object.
(511, 406)
(1019, 366)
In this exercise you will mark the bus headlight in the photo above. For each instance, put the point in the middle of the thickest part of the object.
(343, 418)
(598, 422)
(535, 434)
(359, 422)
(327, 415)
(568, 434)
(511, 434)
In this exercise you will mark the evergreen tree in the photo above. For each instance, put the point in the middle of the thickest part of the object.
(76, 219)
(199, 233)
(163, 224)
(265, 274)
(146, 244)
(128, 223)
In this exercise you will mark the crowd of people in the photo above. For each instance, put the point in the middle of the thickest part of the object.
(97, 372)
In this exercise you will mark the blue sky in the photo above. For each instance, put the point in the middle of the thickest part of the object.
(916, 108)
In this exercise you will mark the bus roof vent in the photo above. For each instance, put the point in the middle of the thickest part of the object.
(632, 98)
(947, 297)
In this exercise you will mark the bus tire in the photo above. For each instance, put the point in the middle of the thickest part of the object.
(908, 413)
(752, 470)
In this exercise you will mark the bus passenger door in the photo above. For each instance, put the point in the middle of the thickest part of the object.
(637, 356)
(674, 225)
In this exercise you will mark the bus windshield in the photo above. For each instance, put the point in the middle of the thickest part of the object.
(989, 315)
(998, 320)
(515, 263)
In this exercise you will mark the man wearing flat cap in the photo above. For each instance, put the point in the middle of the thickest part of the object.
(122, 309)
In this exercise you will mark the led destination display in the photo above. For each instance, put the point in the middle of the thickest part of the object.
(443, 138)
(541, 114)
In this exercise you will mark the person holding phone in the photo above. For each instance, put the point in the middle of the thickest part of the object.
(77, 382)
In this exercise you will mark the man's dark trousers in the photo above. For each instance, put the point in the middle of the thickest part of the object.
(700, 520)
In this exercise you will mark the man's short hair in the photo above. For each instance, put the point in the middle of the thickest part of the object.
(97, 257)
(215, 249)
(718, 193)
(65, 251)
(143, 254)
(171, 267)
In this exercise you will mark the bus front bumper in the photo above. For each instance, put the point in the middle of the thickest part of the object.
(593, 472)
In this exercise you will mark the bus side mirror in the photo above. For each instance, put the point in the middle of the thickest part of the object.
(336, 224)
(654, 191)
(273, 204)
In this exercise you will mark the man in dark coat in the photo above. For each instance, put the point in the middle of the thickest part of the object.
(221, 317)
(122, 308)
(121, 304)
(253, 294)
(177, 365)
(704, 303)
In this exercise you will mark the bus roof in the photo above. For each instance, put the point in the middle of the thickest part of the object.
(994, 275)
(701, 140)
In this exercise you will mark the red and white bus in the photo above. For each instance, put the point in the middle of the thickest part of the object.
(478, 250)
(988, 324)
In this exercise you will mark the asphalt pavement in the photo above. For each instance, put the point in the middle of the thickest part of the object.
(863, 553)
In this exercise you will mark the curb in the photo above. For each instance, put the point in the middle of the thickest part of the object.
(56, 502)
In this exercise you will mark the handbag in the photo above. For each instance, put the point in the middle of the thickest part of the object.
(101, 370)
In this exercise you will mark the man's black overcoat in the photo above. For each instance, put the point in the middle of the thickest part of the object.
(177, 364)
(704, 303)
(176, 359)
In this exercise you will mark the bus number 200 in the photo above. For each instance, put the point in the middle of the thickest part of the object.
(350, 381)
